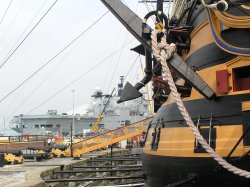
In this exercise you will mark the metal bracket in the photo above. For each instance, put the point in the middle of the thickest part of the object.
(208, 133)
(156, 137)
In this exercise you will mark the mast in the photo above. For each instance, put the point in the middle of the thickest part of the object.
(120, 86)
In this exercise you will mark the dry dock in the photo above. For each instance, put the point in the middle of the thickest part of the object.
(31, 173)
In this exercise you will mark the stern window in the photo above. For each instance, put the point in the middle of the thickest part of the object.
(241, 78)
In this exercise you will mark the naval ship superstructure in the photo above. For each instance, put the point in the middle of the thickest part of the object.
(113, 117)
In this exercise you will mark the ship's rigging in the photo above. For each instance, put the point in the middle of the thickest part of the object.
(178, 34)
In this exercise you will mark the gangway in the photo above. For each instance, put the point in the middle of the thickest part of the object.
(107, 138)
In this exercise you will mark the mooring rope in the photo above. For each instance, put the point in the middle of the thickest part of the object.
(163, 52)
(215, 5)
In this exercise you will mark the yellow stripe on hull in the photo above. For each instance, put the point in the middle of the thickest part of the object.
(180, 142)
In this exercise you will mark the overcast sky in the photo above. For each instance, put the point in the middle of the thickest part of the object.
(65, 21)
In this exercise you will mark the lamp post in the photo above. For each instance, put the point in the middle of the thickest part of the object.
(72, 126)
(71, 139)
(73, 118)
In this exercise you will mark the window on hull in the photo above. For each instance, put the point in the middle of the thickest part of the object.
(47, 126)
(241, 78)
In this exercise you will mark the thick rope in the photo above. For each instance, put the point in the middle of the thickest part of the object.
(162, 52)
(214, 5)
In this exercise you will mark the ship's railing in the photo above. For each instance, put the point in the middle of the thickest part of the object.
(110, 137)
(23, 138)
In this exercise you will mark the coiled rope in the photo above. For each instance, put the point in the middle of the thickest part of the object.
(162, 52)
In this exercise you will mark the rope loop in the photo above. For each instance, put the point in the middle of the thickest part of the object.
(160, 47)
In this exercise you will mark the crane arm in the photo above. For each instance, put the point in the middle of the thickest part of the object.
(96, 125)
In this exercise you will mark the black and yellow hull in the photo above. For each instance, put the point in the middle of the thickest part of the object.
(176, 171)
(176, 157)
(172, 156)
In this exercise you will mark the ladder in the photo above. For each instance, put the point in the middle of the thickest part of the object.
(108, 138)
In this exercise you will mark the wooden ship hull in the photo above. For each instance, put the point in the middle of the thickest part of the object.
(219, 52)
(211, 69)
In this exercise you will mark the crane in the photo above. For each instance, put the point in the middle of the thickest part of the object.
(95, 127)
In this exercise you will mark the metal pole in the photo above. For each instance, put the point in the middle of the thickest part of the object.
(71, 139)
(101, 170)
(92, 178)
(109, 166)
(72, 126)
(73, 118)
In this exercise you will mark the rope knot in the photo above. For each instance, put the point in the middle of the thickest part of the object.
(161, 49)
